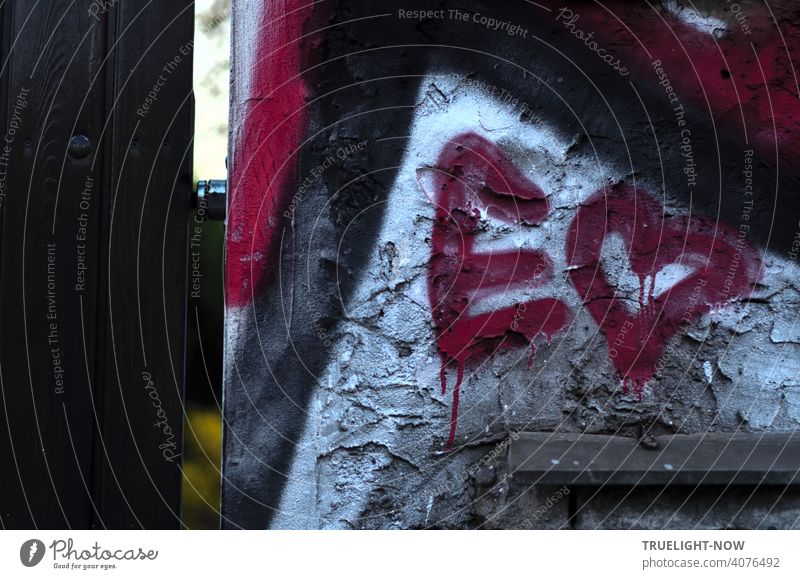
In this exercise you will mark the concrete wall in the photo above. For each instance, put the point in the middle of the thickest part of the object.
(447, 230)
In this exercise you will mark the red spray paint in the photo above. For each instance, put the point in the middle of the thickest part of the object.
(473, 176)
(745, 78)
(268, 125)
(725, 268)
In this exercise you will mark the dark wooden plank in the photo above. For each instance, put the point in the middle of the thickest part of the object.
(710, 459)
(48, 337)
(93, 246)
(145, 263)
(8, 476)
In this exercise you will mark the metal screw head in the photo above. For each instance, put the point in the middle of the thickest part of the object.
(79, 147)
(211, 199)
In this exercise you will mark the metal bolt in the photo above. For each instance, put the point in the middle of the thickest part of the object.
(211, 199)
(79, 147)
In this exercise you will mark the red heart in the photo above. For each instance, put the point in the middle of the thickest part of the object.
(472, 176)
(725, 268)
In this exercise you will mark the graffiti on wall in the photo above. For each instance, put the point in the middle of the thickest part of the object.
(720, 268)
(584, 226)
(474, 181)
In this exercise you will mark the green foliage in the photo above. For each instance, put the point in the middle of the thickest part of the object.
(201, 468)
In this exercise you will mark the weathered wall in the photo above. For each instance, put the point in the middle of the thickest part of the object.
(447, 230)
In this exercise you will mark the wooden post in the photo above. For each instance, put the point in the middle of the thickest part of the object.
(96, 198)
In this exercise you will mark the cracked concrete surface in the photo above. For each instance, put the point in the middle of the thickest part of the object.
(372, 455)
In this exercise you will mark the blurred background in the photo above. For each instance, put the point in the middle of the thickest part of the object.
(203, 427)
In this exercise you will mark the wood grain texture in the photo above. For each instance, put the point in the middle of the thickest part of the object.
(47, 394)
(93, 263)
(144, 266)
